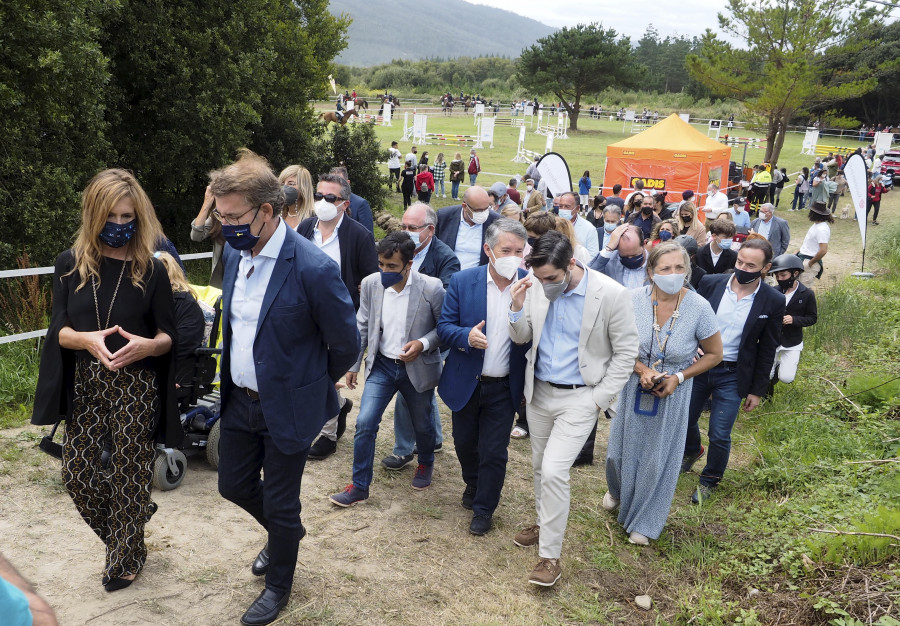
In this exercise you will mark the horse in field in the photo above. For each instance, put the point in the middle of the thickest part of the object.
(331, 116)
(361, 103)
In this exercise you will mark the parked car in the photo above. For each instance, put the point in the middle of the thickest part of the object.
(891, 161)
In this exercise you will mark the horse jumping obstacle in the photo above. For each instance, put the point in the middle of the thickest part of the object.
(420, 135)
(524, 155)
(750, 142)
(549, 129)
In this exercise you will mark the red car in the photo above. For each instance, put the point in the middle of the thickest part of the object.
(891, 161)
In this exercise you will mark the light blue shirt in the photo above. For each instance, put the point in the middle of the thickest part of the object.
(557, 354)
(468, 244)
(420, 256)
(586, 234)
(246, 302)
(731, 317)
(740, 219)
(765, 227)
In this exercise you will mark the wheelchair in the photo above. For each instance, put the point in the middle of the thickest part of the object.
(199, 405)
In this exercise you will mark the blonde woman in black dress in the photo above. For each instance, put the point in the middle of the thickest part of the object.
(106, 367)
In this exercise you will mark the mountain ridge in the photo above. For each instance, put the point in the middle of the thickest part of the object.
(438, 29)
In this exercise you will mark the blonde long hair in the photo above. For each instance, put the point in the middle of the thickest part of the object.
(176, 274)
(305, 202)
(101, 195)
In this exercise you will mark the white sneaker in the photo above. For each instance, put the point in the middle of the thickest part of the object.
(609, 503)
(638, 539)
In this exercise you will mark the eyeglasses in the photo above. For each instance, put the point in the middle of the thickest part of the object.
(328, 197)
(414, 229)
(232, 221)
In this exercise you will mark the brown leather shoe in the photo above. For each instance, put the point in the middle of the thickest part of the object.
(527, 537)
(545, 573)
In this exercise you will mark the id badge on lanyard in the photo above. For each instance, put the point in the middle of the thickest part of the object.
(645, 403)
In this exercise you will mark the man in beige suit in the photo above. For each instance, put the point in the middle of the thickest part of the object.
(397, 319)
(585, 343)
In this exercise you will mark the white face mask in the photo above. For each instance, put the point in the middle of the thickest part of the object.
(480, 217)
(506, 266)
(669, 283)
(325, 210)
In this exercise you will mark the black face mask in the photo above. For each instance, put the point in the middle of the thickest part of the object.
(787, 284)
(632, 262)
(646, 210)
(744, 277)
(687, 219)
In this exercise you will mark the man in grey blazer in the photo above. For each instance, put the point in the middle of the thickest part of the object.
(397, 321)
(775, 229)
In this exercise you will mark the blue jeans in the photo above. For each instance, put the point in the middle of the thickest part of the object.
(245, 449)
(404, 434)
(799, 200)
(473, 178)
(439, 183)
(454, 189)
(719, 385)
(383, 382)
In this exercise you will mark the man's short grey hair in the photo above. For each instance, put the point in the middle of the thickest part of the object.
(770, 205)
(430, 215)
(613, 209)
(338, 180)
(504, 225)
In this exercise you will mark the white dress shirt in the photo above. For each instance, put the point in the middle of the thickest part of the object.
(246, 302)
(732, 316)
(394, 309)
(468, 244)
(496, 329)
(331, 246)
(716, 204)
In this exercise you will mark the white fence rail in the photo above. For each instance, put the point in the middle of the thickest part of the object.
(37, 271)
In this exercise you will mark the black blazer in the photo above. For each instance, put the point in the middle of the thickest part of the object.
(448, 227)
(358, 256)
(361, 211)
(761, 335)
(703, 259)
(803, 309)
(440, 262)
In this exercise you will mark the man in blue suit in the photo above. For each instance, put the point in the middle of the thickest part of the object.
(289, 333)
(750, 316)
(484, 376)
(360, 209)
(462, 226)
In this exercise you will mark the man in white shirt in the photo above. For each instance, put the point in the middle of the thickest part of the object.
(397, 320)
(585, 232)
(412, 158)
(394, 166)
(716, 202)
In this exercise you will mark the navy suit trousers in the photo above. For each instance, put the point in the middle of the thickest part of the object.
(245, 448)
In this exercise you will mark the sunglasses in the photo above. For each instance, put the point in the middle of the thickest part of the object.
(328, 197)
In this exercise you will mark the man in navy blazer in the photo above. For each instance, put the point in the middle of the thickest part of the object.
(360, 209)
(462, 226)
(484, 375)
(749, 314)
(289, 333)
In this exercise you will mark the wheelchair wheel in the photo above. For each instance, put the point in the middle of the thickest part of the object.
(163, 477)
(212, 445)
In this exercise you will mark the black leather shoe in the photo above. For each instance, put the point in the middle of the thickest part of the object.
(342, 417)
(468, 497)
(322, 448)
(265, 608)
(261, 564)
(481, 524)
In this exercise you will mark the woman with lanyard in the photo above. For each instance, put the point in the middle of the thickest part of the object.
(815, 244)
(646, 436)
(107, 366)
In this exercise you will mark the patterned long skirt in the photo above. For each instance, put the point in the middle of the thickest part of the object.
(118, 408)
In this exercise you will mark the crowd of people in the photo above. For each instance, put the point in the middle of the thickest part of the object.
(528, 315)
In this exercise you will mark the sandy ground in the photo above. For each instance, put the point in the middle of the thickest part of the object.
(403, 557)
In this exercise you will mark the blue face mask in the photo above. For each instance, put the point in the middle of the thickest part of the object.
(632, 262)
(609, 227)
(389, 279)
(239, 236)
(725, 244)
(664, 235)
(415, 237)
(117, 235)
(566, 214)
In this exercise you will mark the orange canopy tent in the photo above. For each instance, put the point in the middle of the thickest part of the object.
(672, 156)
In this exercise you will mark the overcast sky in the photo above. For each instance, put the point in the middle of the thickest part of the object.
(669, 17)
